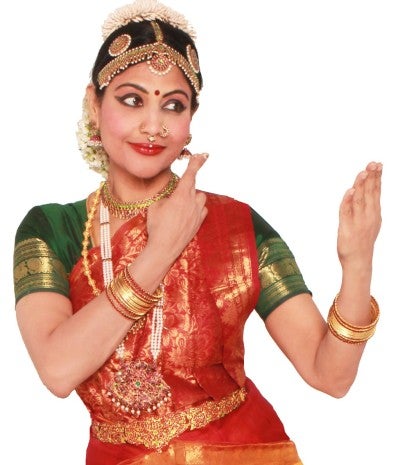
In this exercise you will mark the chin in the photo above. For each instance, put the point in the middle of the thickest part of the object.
(149, 172)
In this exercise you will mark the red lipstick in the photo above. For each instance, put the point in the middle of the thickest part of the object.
(148, 149)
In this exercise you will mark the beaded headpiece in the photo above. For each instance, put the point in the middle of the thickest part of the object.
(128, 40)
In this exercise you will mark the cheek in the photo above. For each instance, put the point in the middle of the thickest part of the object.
(111, 123)
(180, 131)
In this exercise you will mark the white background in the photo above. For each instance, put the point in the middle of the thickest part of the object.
(299, 96)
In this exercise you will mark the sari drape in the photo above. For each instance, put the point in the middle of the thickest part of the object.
(209, 293)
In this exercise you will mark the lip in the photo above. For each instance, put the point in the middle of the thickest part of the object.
(147, 149)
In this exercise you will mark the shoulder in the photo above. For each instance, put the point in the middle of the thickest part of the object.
(262, 227)
(41, 219)
(223, 201)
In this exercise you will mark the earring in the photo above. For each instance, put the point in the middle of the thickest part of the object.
(186, 153)
(94, 137)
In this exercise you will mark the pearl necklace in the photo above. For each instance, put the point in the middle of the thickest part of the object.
(108, 276)
(138, 369)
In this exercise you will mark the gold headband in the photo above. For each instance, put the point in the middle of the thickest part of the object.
(159, 56)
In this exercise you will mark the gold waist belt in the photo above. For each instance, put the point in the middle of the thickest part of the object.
(157, 432)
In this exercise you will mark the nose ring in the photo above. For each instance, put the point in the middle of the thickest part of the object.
(164, 131)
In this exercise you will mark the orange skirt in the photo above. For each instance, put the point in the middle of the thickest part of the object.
(181, 453)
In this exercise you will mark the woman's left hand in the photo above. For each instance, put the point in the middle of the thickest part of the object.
(360, 218)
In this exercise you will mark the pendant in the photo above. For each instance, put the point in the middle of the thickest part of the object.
(138, 387)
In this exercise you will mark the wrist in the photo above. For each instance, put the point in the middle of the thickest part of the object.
(150, 268)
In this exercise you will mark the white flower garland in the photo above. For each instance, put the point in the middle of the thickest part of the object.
(93, 154)
(146, 10)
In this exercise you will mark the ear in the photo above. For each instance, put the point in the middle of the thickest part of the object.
(93, 105)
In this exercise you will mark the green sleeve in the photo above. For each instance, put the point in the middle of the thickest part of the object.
(279, 275)
(47, 245)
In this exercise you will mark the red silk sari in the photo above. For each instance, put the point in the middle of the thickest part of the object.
(209, 293)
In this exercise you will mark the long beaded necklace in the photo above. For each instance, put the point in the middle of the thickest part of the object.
(137, 386)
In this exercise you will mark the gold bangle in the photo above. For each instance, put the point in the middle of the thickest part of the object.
(347, 332)
(120, 307)
(140, 292)
(125, 300)
(374, 316)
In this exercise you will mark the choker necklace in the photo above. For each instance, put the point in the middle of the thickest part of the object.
(126, 210)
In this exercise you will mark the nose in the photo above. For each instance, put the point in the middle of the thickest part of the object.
(153, 129)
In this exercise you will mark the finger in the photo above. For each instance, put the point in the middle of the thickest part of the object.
(359, 189)
(201, 199)
(373, 183)
(346, 206)
(188, 178)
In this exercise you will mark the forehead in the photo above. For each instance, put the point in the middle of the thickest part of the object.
(142, 75)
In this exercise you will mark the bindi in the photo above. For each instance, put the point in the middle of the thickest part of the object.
(157, 92)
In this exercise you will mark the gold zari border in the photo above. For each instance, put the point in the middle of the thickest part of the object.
(191, 453)
(157, 432)
(36, 266)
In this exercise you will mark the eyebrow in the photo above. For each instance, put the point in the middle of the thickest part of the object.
(136, 86)
(142, 89)
(177, 91)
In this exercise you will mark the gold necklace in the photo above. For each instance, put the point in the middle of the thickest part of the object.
(86, 241)
(120, 208)
(126, 210)
(150, 389)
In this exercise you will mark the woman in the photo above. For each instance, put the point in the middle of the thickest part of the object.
(137, 296)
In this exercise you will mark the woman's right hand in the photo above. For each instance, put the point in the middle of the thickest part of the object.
(172, 223)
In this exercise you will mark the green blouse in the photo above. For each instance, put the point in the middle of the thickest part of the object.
(48, 243)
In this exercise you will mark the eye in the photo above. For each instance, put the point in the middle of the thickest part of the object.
(131, 100)
(174, 105)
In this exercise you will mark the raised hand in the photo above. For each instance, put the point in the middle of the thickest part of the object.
(172, 223)
(360, 218)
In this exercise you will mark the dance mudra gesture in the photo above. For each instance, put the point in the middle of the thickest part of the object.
(137, 296)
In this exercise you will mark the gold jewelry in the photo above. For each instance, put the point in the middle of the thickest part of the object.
(159, 56)
(120, 210)
(349, 333)
(130, 300)
(185, 152)
(125, 210)
(131, 304)
(164, 131)
(141, 293)
(86, 241)
(150, 137)
(157, 432)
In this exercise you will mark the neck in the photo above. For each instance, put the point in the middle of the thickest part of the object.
(131, 188)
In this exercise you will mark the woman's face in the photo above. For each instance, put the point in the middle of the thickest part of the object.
(138, 104)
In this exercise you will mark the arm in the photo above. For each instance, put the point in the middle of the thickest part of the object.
(67, 348)
(325, 362)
